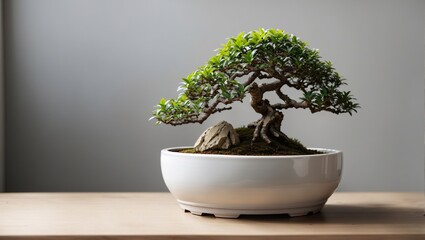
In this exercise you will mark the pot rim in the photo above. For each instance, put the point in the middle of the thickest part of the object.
(172, 151)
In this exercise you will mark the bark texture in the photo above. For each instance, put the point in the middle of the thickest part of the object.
(271, 119)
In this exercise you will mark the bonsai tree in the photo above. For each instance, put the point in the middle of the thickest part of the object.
(255, 63)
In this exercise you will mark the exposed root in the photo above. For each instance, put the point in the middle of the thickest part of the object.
(268, 126)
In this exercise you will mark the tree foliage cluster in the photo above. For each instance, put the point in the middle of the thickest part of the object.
(274, 55)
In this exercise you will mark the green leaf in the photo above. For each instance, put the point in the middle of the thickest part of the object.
(224, 92)
(241, 88)
(248, 57)
(162, 101)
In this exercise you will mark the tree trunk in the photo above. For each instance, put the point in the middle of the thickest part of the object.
(271, 120)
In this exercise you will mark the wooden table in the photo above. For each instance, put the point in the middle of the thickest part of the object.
(157, 216)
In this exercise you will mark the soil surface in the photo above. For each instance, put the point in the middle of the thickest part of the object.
(279, 146)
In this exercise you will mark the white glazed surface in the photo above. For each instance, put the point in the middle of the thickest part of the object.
(251, 182)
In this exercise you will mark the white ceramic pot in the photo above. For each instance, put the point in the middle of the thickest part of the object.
(228, 185)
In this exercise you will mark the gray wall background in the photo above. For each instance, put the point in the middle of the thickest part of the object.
(83, 77)
(2, 155)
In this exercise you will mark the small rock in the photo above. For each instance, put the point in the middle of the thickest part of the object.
(219, 136)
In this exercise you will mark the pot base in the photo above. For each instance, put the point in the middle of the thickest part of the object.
(293, 211)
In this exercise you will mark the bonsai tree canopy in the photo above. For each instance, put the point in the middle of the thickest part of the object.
(267, 60)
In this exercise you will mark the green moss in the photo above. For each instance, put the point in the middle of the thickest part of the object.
(279, 146)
